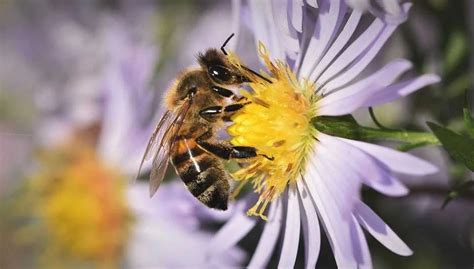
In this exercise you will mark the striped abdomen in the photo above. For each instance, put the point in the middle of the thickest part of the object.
(202, 173)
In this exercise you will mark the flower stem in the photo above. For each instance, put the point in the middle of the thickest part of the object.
(347, 127)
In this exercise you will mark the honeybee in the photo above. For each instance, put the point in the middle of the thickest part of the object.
(197, 106)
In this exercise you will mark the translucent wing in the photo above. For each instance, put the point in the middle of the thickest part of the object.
(156, 138)
(161, 159)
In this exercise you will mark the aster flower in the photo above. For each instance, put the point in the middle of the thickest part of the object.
(314, 53)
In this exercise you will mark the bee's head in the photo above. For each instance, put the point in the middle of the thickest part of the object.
(219, 69)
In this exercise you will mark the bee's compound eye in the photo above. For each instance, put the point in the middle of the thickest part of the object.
(220, 72)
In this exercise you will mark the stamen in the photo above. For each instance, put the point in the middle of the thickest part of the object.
(277, 124)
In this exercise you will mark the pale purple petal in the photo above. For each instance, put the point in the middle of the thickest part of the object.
(338, 44)
(312, 3)
(331, 14)
(366, 52)
(355, 49)
(296, 17)
(292, 229)
(265, 27)
(271, 231)
(231, 233)
(401, 89)
(373, 173)
(395, 160)
(288, 40)
(361, 249)
(310, 223)
(381, 231)
(236, 17)
(343, 105)
(336, 103)
(333, 208)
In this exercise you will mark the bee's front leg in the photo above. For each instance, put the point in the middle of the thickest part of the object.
(215, 112)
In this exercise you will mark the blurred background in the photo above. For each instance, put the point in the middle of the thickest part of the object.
(80, 90)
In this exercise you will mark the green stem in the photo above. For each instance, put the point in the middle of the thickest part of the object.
(347, 127)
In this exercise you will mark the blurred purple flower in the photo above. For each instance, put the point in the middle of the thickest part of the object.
(319, 42)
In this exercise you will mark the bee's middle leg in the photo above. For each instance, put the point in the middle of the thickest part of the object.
(227, 151)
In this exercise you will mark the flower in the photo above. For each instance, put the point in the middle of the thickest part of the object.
(314, 56)
(81, 206)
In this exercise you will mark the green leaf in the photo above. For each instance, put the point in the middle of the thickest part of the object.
(469, 123)
(461, 148)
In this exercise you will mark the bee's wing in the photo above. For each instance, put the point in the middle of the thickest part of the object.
(158, 134)
(160, 161)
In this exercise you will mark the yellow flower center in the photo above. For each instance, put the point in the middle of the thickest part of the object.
(81, 204)
(278, 123)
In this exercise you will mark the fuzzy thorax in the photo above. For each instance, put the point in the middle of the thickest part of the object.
(277, 123)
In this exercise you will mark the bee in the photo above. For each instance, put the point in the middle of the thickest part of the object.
(198, 103)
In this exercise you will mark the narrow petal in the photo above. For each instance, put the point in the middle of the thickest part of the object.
(267, 242)
(310, 223)
(312, 3)
(339, 43)
(331, 14)
(350, 98)
(236, 18)
(288, 39)
(231, 233)
(361, 60)
(401, 89)
(395, 160)
(373, 173)
(381, 231)
(355, 49)
(296, 8)
(265, 27)
(359, 243)
(331, 209)
(292, 230)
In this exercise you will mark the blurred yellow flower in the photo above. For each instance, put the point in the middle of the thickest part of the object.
(81, 204)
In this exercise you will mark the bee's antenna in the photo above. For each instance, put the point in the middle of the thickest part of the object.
(225, 43)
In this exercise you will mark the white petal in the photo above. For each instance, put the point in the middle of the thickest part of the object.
(381, 231)
(395, 160)
(374, 173)
(292, 230)
(334, 212)
(310, 223)
(231, 233)
(267, 242)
